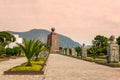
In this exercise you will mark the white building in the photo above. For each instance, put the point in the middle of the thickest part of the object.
(18, 39)
(13, 44)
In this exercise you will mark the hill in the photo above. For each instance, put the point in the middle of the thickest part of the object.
(42, 34)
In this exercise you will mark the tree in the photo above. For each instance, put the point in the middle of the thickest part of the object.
(30, 47)
(118, 40)
(2, 48)
(100, 41)
(78, 50)
(5, 36)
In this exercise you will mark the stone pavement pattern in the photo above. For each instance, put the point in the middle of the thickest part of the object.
(5, 65)
(61, 67)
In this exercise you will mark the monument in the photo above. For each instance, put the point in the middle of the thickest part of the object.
(84, 52)
(74, 53)
(61, 51)
(68, 52)
(113, 50)
(53, 41)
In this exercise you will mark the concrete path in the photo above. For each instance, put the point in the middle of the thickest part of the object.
(60, 67)
(5, 65)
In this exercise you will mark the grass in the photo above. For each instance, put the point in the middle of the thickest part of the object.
(38, 62)
(102, 57)
(103, 62)
(36, 66)
(27, 68)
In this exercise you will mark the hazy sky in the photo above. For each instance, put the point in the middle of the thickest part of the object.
(81, 20)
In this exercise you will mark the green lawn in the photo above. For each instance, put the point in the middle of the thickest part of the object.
(103, 61)
(27, 68)
(36, 66)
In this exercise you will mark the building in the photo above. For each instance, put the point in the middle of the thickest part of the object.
(13, 44)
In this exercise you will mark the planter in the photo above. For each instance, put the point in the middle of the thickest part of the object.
(23, 72)
(41, 72)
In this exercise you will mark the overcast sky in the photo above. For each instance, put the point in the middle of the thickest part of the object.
(80, 20)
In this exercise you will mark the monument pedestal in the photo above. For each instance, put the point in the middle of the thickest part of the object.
(84, 52)
(74, 53)
(112, 51)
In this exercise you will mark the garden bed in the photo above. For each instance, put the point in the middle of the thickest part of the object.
(23, 72)
(37, 68)
(98, 61)
(103, 62)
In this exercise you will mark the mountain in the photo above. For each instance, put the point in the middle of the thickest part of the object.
(42, 34)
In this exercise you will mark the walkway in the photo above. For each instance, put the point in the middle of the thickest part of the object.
(65, 68)
(5, 65)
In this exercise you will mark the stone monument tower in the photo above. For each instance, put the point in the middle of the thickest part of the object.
(53, 41)
(84, 52)
(113, 50)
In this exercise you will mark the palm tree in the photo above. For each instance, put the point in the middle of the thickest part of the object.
(30, 47)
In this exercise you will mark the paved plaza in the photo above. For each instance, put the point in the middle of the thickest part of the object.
(61, 67)
(66, 68)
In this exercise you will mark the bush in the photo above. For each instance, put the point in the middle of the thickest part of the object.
(78, 50)
(70, 52)
(104, 50)
(16, 51)
(9, 51)
(2, 50)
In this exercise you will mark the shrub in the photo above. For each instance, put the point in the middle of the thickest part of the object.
(78, 50)
(2, 50)
(65, 50)
(70, 52)
(94, 51)
(9, 51)
(16, 50)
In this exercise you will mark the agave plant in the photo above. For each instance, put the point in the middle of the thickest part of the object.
(42, 47)
(30, 48)
(94, 51)
(39, 50)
